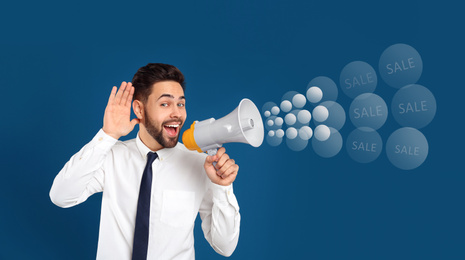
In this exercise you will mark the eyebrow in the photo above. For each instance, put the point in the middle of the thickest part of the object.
(171, 96)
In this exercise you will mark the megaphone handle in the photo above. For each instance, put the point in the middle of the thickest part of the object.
(212, 152)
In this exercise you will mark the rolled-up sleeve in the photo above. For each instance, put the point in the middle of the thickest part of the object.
(220, 216)
(83, 174)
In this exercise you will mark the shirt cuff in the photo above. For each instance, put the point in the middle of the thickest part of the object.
(224, 194)
(103, 141)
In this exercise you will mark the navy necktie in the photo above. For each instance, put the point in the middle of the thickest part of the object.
(141, 231)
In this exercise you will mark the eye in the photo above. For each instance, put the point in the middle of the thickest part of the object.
(181, 105)
(164, 104)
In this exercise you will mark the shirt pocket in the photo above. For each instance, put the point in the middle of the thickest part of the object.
(178, 208)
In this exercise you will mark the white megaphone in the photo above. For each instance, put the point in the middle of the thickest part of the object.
(243, 125)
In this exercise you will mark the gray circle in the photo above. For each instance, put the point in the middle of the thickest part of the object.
(414, 106)
(358, 77)
(296, 144)
(273, 140)
(407, 148)
(400, 65)
(364, 145)
(327, 86)
(368, 110)
(330, 147)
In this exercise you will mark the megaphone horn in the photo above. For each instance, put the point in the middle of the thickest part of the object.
(243, 125)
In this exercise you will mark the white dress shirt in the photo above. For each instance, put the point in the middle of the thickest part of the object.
(180, 189)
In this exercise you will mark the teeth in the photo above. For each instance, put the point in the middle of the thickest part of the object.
(172, 125)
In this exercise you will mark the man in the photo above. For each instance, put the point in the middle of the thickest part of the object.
(152, 185)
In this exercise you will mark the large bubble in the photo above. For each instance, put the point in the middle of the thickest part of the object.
(414, 106)
(358, 77)
(364, 145)
(407, 148)
(400, 65)
(273, 138)
(368, 110)
(330, 147)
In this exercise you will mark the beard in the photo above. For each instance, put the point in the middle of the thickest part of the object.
(157, 133)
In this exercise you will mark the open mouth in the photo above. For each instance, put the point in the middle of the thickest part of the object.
(172, 129)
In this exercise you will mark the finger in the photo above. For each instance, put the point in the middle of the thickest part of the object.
(112, 95)
(220, 151)
(120, 92)
(126, 92)
(226, 166)
(229, 178)
(129, 98)
(209, 160)
(222, 159)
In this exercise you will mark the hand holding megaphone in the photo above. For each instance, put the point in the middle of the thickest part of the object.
(243, 125)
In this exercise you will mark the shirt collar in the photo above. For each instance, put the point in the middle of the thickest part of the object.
(144, 150)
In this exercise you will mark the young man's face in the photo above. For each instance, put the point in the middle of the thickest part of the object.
(165, 112)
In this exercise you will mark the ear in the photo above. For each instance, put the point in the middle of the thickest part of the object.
(138, 108)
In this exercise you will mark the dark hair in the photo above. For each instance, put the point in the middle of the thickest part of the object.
(152, 73)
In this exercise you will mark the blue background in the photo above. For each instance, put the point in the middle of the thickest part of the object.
(59, 60)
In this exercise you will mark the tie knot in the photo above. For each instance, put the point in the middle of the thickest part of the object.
(151, 156)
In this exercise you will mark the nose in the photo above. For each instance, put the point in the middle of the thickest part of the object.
(176, 112)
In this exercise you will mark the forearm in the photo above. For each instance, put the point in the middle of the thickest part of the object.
(82, 175)
(222, 225)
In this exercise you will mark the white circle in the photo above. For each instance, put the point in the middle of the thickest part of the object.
(267, 113)
(275, 110)
(320, 113)
(280, 133)
(305, 132)
(322, 133)
(271, 133)
(290, 119)
(270, 122)
(299, 101)
(314, 94)
(291, 133)
(286, 106)
(304, 116)
(279, 121)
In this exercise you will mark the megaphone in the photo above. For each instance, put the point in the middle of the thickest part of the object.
(243, 125)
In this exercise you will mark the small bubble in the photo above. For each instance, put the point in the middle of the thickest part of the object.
(320, 113)
(299, 101)
(314, 94)
(286, 106)
(322, 133)
(304, 116)
(290, 119)
(291, 133)
(280, 133)
(305, 132)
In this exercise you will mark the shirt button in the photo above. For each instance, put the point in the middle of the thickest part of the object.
(229, 192)
(100, 139)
